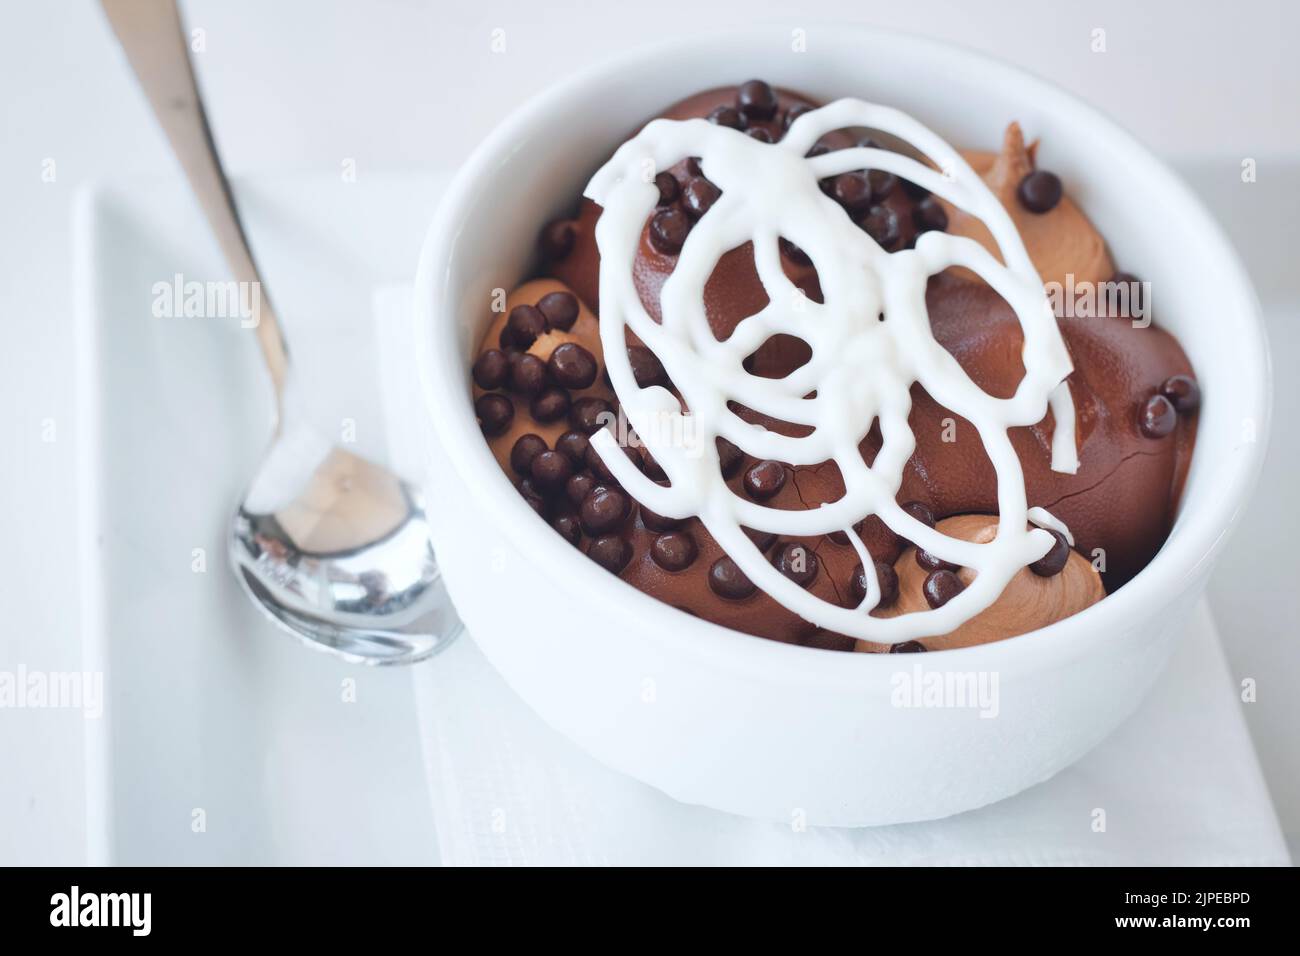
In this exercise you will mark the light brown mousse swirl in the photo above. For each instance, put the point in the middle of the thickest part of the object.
(1059, 242)
(1028, 602)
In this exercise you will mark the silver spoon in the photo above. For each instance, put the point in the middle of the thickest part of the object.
(332, 547)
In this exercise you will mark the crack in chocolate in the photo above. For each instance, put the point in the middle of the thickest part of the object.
(839, 598)
(816, 549)
(1102, 480)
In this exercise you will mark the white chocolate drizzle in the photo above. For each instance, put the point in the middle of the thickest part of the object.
(861, 368)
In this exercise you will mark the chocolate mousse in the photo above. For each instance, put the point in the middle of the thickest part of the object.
(541, 391)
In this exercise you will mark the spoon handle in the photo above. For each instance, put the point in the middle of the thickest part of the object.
(154, 39)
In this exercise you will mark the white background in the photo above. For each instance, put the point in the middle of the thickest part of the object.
(294, 86)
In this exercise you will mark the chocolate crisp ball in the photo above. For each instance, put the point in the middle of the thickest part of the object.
(674, 551)
(490, 370)
(603, 510)
(1158, 417)
(932, 562)
(525, 449)
(611, 552)
(764, 480)
(560, 309)
(1040, 191)
(668, 230)
(941, 587)
(572, 366)
(1053, 562)
(524, 324)
(798, 562)
(495, 412)
(728, 581)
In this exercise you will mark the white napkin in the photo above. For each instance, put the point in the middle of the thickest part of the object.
(1178, 784)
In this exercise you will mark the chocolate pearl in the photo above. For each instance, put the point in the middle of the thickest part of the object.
(907, 647)
(881, 224)
(668, 230)
(572, 366)
(795, 111)
(762, 539)
(1053, 562)
(578, 487)
(929, 216)
(794, 253)
(882, 183)
(932, 562)
(530, 490)
(1134, 286)
(798, 562)
(557, 239)
(551, 469)
(760, 134)
(597, 465)
(728, 581)
(668, 188)
(524, 451)
(756, 100)
(729, 457)
(550, 404)
(611, 552)
(646, 367)
(574, 445)
(698, 197)
(727, 116)
(941, 587)
(603, 510)
(851, 190)
(560, 309)
(522, 327)
(495, 412)
(764, 480)
(527, 374)
(674, 551)
(653, 470)
(491, 369)
(920, 512)
(1158, 417)
(1183, 393)
(914, 190)
(1040, 191)
(567, 525)
(589, 415)
(887, 578)
(634, 452)
(657, 522)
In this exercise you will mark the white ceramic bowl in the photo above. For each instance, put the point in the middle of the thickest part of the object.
(714, 717)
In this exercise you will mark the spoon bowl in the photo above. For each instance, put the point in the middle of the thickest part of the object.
(344, 560)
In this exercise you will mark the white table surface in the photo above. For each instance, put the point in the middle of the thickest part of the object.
(299, 85)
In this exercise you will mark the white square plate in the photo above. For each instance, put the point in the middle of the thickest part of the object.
(223, 739)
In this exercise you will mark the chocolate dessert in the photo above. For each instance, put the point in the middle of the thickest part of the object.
(542, 391)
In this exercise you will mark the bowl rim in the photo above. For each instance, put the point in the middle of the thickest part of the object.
(1165, 578)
